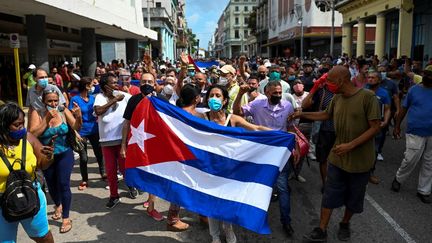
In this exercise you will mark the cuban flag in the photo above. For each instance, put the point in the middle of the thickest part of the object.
(225, 173)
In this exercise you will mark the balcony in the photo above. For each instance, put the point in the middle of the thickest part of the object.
(157, 13)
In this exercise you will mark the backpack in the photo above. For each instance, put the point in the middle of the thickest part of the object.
(20, 199)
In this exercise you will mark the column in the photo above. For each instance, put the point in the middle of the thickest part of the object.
(131, 50)
(405, 28)
(347, 39)
(99, 51)
(88, 42)
(361, 38)
(380, 35)
(37, 41)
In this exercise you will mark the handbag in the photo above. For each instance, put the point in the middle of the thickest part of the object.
(73, 140)
(302, 142)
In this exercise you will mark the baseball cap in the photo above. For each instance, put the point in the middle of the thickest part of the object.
(428, 68)
(32, 66)
(228, 69)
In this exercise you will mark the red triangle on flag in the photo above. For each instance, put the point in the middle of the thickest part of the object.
(151, 140)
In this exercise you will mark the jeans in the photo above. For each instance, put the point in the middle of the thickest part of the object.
(58, 179)
(214, 228)
(94, 141)
(380, 139)
(112, 160)
(284, 194)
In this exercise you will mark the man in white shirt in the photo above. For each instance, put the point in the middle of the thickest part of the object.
(109, 106)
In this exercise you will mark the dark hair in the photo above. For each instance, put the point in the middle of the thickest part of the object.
(187, 95)
(271, 84)
(9, 113)
(171, 70)
(253, 76)
(105, 79)
(224, 90)
(38, 69)
(82, 84)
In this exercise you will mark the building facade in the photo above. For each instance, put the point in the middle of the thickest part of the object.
(236, 30)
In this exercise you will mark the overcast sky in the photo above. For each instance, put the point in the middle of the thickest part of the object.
(202, 17)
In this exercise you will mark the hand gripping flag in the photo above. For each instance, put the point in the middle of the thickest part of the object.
(225, 173)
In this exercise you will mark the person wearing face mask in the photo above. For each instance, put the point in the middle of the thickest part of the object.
(109, 107)
(374, 81)
(273, 113)
(217, 98)
(228, 79)
(308, 77)
(275, 75)
(89, 130)
(34, 97)
(418, 109)
(52, 128)
(168, 90)
(13, 138)
(147, 87)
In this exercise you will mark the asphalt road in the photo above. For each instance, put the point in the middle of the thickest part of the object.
(388, 216)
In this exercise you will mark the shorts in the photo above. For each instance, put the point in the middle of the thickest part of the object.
(35, 227)
(325, 142)
(344, 189)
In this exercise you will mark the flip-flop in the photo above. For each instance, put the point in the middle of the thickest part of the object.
(66, 227)
(56, 216)
(82, 186)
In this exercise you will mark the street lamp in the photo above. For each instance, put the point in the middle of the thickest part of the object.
(324, 6)
(299, 13)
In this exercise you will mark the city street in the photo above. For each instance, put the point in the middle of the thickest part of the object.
(388, 216)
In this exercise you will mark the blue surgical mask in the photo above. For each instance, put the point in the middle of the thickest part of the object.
(215, 104)
(191, 74)
(17, 135)
(49, 108)
(383, 75)
(43, 83)
(291, 77)
(92, 90)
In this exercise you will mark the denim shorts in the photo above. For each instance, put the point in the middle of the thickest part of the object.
(36, 226)
(344, 189)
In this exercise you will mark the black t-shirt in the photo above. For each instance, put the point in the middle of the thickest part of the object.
(307, 81)
(133, 103)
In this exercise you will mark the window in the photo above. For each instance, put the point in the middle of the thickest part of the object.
(236, 8)
(246, 20)
(246, 34)
(246, 8)
(236, 20)
(236, 34)
(158, 4)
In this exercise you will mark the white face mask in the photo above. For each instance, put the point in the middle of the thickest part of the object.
(222, 81)
(168, 89)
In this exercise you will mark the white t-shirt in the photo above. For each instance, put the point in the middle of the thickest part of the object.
(111, 122)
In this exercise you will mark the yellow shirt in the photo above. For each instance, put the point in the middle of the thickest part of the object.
(417, 79)
(12, 155)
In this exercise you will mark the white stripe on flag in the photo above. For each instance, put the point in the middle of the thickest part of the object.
(233, 148)
(250, 193)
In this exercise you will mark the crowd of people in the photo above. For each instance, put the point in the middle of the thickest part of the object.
(343, 105)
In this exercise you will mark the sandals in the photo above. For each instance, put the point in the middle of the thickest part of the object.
(83, 185)
(66, 227)
(56, 215)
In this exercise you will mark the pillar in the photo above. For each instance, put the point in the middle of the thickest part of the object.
(361, 37)
(37, 41)
(99, 51)
(380, 35)
(405, 28)
(88, 42)
(347, 39)
(131, 50)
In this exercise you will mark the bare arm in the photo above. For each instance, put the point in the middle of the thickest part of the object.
(237, 110)
(407, 69)
(397, 103)
(387, 115)
(125, 133)
(314, 116)
(242, 67)
(239, 121)
(75, 121)
(100, 110)
(43, 153)
(37, 124)
(308, 101)
(399, 119)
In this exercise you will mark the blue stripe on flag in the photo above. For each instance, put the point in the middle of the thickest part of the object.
(273, 138)
(233, 169)
(244, 215)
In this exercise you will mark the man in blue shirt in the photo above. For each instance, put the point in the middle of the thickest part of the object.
(374, 81)
(418, 107)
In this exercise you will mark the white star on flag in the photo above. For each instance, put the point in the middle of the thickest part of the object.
(139, 136)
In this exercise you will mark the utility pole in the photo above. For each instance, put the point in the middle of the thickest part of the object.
(299, 12)
(149, 25)
(332, 27)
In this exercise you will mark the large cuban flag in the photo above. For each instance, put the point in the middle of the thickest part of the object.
(225, 173)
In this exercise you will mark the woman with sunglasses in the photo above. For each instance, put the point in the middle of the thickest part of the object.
(52, 126)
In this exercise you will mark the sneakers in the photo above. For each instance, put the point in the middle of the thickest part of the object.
(317, 235)
(76, 155)
(178, 226)
(155, 215)
(133, 192)
(113, 201)
(119, 176)
(395, 185)
(311, 156)
(288, 229)
(344, 233)
(424, 198)
(374, 179)
(380, 157)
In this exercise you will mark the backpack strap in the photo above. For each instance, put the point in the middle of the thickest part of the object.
(23, 155)
(6, 161)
